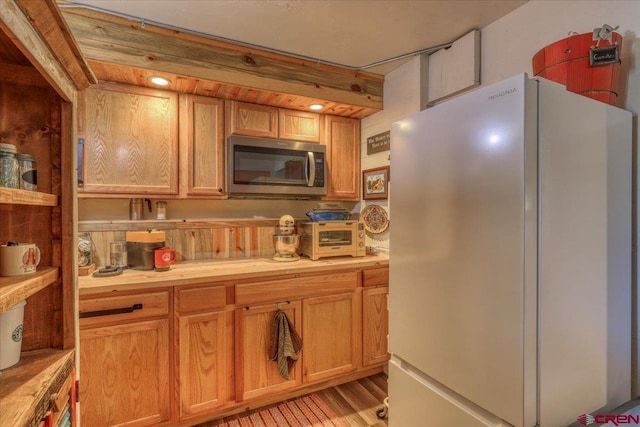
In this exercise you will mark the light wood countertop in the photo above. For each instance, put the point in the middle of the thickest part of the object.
(189, 273)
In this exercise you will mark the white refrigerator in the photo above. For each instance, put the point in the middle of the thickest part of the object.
(510, 259)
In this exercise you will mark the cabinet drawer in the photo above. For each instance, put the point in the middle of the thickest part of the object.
(122, 308)
(295, 288)
(198, 299)
(375, 276)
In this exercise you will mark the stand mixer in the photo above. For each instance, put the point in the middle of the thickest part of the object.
(285, 242)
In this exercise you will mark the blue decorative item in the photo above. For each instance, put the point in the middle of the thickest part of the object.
(319, 215)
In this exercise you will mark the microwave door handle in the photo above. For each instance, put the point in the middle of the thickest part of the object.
(311, 166)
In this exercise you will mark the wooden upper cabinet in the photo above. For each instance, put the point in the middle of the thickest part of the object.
(202, 161)
(248, 119)
(131, 140)
(342, 138)
(298, 125)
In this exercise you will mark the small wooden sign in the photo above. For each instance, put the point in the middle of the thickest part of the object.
(379, 142)
(603, 55)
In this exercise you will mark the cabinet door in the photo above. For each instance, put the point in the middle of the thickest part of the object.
(131, 140)
(125, 374)
(252, 119)
(205, 352)
(298, 125)
(375, 325)
(342, 138)
(256, 375)
(124, 359)
(202, 159)
(331, 331)
(202, 362)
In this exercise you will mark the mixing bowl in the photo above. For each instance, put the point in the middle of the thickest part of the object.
(286, 245)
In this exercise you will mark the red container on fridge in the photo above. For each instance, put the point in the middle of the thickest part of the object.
(567, 61)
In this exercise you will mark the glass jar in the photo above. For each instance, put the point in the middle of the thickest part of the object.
(85, 249)
(161, 210)
(28, 173)
(9, 170)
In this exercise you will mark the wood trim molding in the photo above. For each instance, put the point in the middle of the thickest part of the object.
(47, 19)
(35, 34)
(107, 39)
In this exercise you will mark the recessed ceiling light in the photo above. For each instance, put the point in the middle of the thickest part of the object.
(160, 81)
(316, 106)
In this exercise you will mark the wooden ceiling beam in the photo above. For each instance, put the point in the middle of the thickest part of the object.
(48, 21)
(111, 39)
(15, 25)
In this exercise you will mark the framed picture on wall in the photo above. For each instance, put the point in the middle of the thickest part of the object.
(375, 183)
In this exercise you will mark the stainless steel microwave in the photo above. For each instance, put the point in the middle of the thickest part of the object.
(261, 167)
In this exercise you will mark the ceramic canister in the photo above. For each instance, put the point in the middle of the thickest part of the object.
(18, 258)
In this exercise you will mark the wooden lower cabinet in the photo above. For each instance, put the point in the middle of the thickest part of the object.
(187, 354)
(204, 350)
(256, 375)
(375, 316)
(332, 330)
(375, 325)
(124, 360)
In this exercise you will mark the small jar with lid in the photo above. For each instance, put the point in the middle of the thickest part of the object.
(9, 170)
(28, 172)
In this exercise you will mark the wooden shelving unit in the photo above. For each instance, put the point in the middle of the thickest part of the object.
(45, 71)
(24, 197)
(26, 389)
(18, 288)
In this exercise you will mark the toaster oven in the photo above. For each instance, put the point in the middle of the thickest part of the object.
(332, 238)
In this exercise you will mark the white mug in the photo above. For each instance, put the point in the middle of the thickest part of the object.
(17, 259)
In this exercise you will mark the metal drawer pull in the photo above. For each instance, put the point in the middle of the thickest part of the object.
(110, 311)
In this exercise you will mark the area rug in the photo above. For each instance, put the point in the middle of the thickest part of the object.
(306, 411)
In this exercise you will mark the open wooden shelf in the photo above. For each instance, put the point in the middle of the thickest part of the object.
(18, 288)
(26, 388)
(24, 197)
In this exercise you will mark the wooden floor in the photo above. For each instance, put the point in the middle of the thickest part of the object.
(356, 402)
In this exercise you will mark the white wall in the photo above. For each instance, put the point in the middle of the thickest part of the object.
(401, 99)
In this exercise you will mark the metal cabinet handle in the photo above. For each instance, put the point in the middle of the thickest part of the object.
(311, 162)
(80, 164)
(110, 311)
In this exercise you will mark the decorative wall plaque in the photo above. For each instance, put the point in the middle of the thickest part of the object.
(379, 142)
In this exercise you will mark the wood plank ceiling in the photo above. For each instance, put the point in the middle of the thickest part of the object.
(127, 51)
